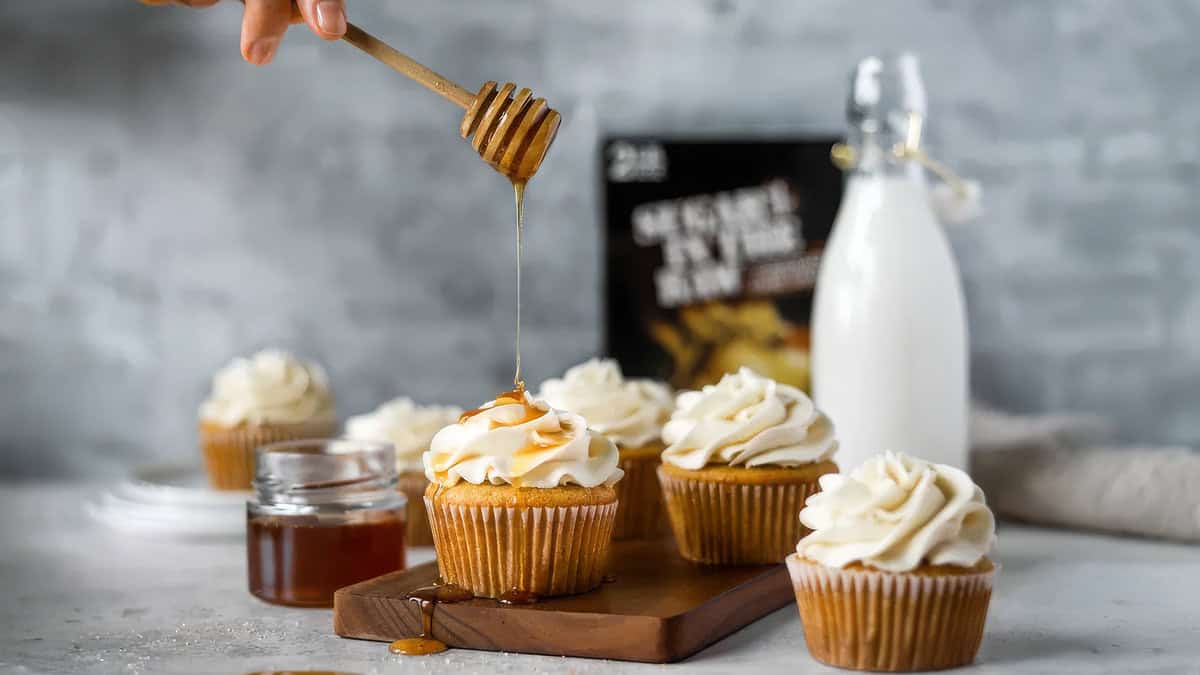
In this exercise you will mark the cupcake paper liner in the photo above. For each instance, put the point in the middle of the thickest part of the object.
(871, 620)
(491, 550)
(229, 452)
(735, 524)
(412, 485)
(640, 514)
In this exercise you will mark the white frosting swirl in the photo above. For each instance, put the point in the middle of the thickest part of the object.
(406, 425)
(747, 420)
(630, 412)
(895, 513)
(270, 387)
(522, 442)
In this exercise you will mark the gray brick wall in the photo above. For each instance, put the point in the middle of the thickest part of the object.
(164, 206)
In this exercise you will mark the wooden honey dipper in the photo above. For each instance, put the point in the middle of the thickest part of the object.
(510, 132)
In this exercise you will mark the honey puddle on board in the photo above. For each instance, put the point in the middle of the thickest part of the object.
(427, 598)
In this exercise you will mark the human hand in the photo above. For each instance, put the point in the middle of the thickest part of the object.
(265, 21)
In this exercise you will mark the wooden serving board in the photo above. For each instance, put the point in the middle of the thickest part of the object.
(659, 609)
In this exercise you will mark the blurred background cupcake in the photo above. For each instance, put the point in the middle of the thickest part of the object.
(631, 414)
(270, 396)
(895, 574)
(521, 500)
(409, 427)
(742, 456)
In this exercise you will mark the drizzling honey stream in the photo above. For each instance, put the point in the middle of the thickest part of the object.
(429, 597)
(519, 195)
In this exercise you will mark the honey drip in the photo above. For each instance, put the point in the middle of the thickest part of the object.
(519, 196)
(427, 598)
(511, 397)
(514, 395)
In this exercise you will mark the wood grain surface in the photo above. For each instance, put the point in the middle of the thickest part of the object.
(658, 609)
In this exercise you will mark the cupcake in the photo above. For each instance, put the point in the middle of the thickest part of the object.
(408, 427)
(271, 396)
(895, 575)
(631, 414)
(521, 500)
(742, 456)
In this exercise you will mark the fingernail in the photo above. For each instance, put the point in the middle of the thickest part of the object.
(261, 51)
(330, 17)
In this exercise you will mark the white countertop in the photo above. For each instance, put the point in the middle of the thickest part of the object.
(82, 599)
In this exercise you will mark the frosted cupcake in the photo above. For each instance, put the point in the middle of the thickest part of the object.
(271, 396)
(521, 499)
(631, 414)
(742, 456)
(895, 575)
(409, 427)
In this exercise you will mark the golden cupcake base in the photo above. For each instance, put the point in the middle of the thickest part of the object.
(723, 515)
(640, 511)
(497, 540)
(865, 619)
(412, 484)
(229, 451)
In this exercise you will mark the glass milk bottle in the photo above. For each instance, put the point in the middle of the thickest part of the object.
(889, 327)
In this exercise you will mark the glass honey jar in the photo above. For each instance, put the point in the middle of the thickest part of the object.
(326, 514)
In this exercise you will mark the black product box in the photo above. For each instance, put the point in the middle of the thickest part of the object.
(711, 254)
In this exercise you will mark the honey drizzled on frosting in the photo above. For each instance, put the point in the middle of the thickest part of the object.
(516, 395)
(521, 441)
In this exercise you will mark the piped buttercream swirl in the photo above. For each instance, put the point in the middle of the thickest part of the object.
(895, 513)
(630, 412)
(747, 420)
(406, 425)
(521, 441)
(271, 386)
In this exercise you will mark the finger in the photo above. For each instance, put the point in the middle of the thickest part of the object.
(263, 25)
(326, 18)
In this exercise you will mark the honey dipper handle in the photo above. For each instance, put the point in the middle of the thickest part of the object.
(377, 48)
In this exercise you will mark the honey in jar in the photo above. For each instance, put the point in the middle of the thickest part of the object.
(326, 515)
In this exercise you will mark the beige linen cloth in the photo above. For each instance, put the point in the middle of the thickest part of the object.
(1059, 470)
